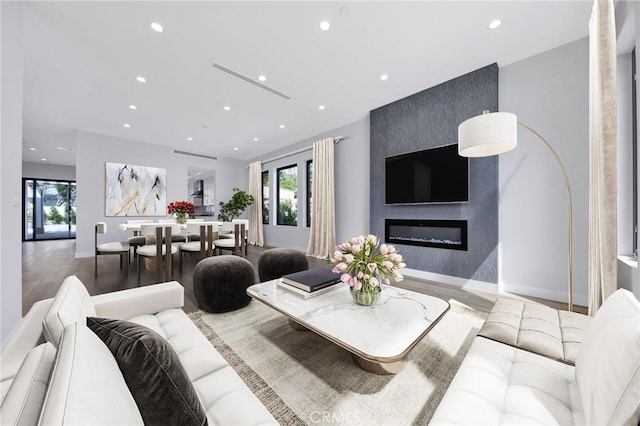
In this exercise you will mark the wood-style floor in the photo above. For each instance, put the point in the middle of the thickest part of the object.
(46, 263)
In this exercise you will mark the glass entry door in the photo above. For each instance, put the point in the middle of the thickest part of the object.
(49, 209)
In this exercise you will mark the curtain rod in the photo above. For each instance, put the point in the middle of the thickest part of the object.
(336, 140)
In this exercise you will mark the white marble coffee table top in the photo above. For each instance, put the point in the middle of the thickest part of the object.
(384, 332)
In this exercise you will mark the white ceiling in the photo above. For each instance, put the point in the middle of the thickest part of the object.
(81, 60)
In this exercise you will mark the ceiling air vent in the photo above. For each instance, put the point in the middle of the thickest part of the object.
(193, 154)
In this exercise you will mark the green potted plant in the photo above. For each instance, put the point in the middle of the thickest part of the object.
(240, 200)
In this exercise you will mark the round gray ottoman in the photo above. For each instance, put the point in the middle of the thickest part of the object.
(277, 262)
(220, 283)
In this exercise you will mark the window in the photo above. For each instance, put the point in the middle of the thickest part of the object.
(49, 209)
(287, 195)
(634, 147)
(309, 187)
(265, 197)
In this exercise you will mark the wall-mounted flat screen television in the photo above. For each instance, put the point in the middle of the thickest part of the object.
(436, 175)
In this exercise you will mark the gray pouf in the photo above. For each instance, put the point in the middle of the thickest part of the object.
(277, 262)
(220, 283)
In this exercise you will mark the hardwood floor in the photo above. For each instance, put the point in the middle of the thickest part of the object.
(45, 264)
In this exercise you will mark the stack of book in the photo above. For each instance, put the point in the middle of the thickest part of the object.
(309, 283)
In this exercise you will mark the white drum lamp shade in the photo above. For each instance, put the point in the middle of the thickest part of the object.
(488, 134)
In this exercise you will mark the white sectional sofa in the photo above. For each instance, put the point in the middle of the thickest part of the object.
(62, 373)
(501, 384)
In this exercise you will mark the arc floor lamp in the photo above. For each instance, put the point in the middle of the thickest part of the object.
(496, 133)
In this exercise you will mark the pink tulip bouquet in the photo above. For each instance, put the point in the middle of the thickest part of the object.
(364, 265)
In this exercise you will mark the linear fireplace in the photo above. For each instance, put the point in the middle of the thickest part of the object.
(447, 234)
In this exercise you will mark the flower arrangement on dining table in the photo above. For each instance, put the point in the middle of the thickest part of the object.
(365, 266)
(182, 210)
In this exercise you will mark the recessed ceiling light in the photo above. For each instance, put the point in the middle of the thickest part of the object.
(127, 125)
(133, 107)
(494, 24)
(325, 25)
(189, 139)
(32, 149)
(227, 108)
(255, 139)
(43, 159)
(262, 78)
(157, 27)
(235, 149)
(282, 126)
(383, 77)
(321, 107)
(141, 79)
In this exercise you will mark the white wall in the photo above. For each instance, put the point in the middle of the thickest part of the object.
(94, 150)
(550, 92)
(48, 171)
(10, 171)
(351, 180)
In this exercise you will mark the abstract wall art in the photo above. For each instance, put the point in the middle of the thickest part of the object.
(135, 190)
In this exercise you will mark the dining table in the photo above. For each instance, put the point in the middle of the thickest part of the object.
(135, 227)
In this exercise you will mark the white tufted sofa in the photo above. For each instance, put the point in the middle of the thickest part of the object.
(501, 384)
(62, 373)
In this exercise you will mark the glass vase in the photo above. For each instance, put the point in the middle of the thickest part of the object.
(366, 298)
(181, 218)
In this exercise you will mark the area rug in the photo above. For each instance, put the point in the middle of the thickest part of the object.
(304, 379)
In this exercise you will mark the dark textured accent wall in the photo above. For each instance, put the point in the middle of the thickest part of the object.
(428, 119)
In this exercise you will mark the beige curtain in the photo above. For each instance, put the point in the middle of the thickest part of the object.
(602, 154)
(255, 210)
(322, 239)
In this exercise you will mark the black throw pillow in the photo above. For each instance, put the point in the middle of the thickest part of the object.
(153, 372)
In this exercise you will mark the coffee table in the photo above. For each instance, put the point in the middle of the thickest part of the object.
(379, 337)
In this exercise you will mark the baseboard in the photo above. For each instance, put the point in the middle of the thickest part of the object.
(80, 254)
(448, 279)
(544, 293)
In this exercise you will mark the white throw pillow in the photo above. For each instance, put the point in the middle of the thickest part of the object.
(87, 387)
(25, 397)
(72, 303)
(608, 364)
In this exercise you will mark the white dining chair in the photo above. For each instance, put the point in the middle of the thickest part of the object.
(236, 244)
(121, 248)
(137, 240)
(245, 222)
(207, 233)
(193, 236)
(176, 237)
(226, 230)
(158, 248)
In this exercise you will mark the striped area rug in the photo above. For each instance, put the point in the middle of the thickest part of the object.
(304, 379)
